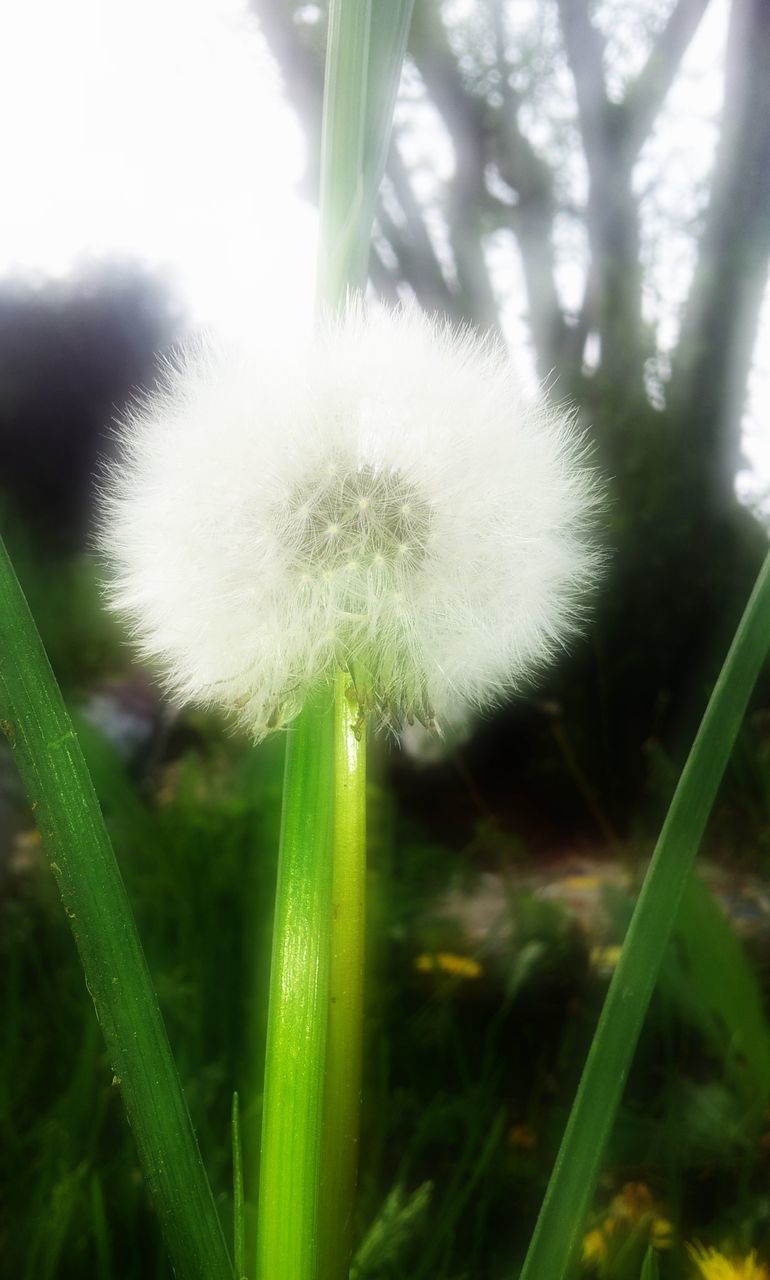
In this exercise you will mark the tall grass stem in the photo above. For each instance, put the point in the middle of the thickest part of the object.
(554, 1246)
(364, 54)
(239, 1217)
(38, 727)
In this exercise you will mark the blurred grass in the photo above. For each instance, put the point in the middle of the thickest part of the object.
(468, 1080)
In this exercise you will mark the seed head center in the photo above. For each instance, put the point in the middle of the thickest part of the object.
(360, 518)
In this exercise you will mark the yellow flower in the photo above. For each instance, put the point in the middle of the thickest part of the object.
(713, 1265)
(605, 958)
(633, 1202)
(661, 1233)
(595, 1246)
(446, 962)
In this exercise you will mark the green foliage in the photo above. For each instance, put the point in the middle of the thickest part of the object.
(709, 976)
(196, 837)
(557, 1233)
(186, 852)
(196, 829)
(52, 767)
(395, 1225)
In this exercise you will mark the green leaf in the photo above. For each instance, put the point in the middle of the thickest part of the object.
(239, 1218)
(557, 1235)
(392, 1229)
(709, 973)
(66, 810)
(365, 50)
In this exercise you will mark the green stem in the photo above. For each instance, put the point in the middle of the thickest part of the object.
(287, 1227)
(557, 1235)
(359, 92)
(54, 772)
(345, 222)
(364, 53)
(239, 1216)
(343, 1058)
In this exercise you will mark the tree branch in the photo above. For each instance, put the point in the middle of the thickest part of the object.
(612, 216)
(584, 46)
(646, 95)
(710, 371)
(464, 117)
(415, 252)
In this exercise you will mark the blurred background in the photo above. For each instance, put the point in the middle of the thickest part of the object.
(589, 179)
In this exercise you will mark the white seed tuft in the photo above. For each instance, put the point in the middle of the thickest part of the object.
(381, 498)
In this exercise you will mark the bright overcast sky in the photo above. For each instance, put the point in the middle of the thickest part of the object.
(156, 131)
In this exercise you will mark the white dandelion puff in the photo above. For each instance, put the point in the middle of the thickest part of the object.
(381, 498)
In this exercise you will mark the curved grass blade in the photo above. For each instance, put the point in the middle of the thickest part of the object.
(559, 1227)
(38, 727)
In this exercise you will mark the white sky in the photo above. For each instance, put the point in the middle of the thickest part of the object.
(156, 131)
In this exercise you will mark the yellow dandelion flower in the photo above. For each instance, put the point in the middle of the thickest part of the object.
(713, 1265)
(633, 1202)
(604, 958)
(582, 882)
(447, 962)
(634, 1205)
(661, 1233)
(594, 1246)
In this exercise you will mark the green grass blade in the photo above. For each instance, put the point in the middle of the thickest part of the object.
(239, 1218)
(716, 987)
(365, 50)
(558, 1232)
(67, 812)
(287, 1228)
(391, 20)
(343, 238)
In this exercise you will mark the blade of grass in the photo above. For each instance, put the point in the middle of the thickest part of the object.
(239, 1220)
(559, 1227)
(364, 53)
(54, 772)
(343, 236)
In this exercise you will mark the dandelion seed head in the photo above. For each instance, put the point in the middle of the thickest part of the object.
(381, 499)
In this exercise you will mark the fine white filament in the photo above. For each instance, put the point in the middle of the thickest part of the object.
(380, 498)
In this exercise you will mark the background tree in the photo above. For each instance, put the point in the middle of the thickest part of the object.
(72, 354)
(547, 109)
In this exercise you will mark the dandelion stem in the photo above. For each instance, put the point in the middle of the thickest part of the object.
(312, 945)
(343, 1058)
(287, 1224)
